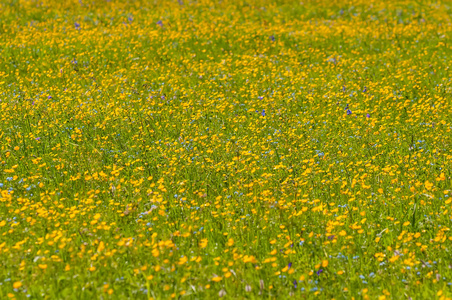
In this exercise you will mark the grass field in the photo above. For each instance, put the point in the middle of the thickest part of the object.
(237, 149)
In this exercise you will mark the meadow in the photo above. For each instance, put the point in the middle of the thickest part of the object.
(198, 149)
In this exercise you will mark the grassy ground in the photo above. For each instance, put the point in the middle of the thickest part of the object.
(241, 149)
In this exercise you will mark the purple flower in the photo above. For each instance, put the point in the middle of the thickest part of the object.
(365, 90)
(130, 18)
(77, 26)
(38, 138)
(349, 112)
(260, 97)
(290, 265)
(272, 37)
(368, 115)
(319, 272)
(343, 88)
(331, 237)
(295, 283)
(160, 23)
(49, 97)
(263, 113)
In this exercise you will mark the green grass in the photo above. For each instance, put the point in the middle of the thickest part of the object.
(204, 149)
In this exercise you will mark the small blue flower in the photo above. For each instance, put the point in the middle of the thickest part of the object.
(349, 112)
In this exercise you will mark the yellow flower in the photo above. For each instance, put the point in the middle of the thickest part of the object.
(394, 258)
(17, 284)
(441, 177)
(203, 243)
(428, 185)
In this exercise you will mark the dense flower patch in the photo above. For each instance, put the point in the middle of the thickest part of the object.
(203, 149)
